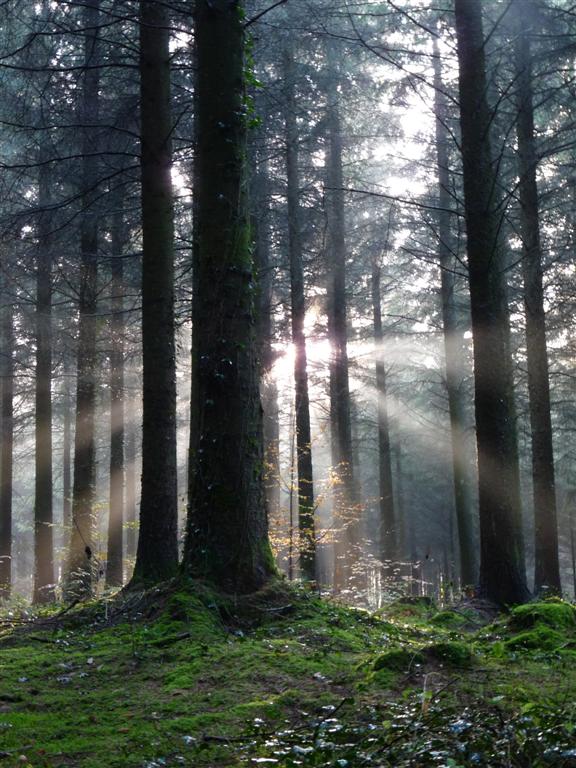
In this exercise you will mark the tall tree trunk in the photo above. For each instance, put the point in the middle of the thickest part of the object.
(453, 340)
(502, 576)
(157, 556)
(114, 568)
(547, 568)
(346, 493)
(7, 444)
(79, 569)
(66, 458)
(43, 485)
(130, 459)
(227, 535)
(298, 316)
(388, 541)
(260, 205)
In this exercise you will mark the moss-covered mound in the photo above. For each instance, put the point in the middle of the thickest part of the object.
(398, 659)
(452, 653)
(556, 614)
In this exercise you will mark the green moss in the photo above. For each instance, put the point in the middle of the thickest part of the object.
(452, 653)
(409, 608)
(398, 659)
(541, 637)
(449, 619)
(554, 613)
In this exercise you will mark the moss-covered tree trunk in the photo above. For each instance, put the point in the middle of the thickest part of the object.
(502, 576)
(298, 315)
(453, 340)
(157, 554)
(547, 568)
(227, 535)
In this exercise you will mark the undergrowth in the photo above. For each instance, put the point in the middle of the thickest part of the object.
(189, 677)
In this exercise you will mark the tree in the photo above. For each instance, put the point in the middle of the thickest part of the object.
(43, 514)
(7, 440)
(502, 576)
(453, 336)
(547, 568)
(79, 567)
(298, 315)
(157, 555)
(227, 537)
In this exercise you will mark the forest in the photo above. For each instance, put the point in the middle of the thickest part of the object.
(287, 383)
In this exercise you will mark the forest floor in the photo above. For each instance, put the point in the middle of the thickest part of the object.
(284, 679)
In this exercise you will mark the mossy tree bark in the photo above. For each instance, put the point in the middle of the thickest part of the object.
(502, 575)
(306, 524)
(157, 554)
(547, 567)
(227, 536)
(453, 339)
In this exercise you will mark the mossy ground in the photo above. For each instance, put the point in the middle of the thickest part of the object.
(283, 679)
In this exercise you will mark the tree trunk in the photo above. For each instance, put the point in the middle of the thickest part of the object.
(345, 490)
(130, 492)
(43, 486)
(66, 456)
(547, 568)
(7, 445)
(388, 542)
(79, 569)
(157, 556)
(453, 341)
(114, 568)
(502, 576)
(227, 536)
(298, 316)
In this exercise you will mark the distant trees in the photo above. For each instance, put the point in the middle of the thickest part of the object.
(298, 210)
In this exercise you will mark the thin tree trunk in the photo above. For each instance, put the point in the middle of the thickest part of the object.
(130, 491)
(66, 459)
(7, 444)
(114, 568)
(157, 556)
(453, 341)
(227, 535)
(298, 316)
(43, 484)
(79, 569)
(547, 567)
(388, 542)
(345, 491)
(502, 576)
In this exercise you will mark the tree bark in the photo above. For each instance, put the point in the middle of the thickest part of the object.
(388, 538)
(7, 444)
(157, 556)
(43, 484)
(453, 340)
(79, 568)
(114, 568)
(502, 575)
(227, 535)
(306, 506)
(345, 492)
(547, 567)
